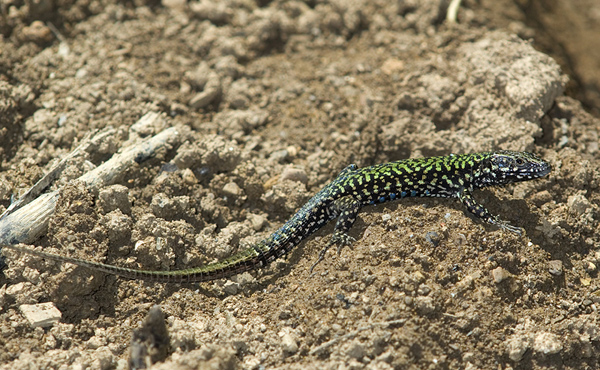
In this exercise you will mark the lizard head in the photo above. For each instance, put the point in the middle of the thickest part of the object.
(505, 166)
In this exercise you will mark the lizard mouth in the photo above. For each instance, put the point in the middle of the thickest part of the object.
(539, 172)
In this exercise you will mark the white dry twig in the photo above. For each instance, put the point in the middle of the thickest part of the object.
(28, 220)
(452, 12)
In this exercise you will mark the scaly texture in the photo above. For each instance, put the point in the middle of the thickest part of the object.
(453, 176)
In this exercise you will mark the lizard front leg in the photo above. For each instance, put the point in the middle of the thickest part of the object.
(346, 209)
(481, 212)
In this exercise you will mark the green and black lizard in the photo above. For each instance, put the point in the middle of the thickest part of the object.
(453, 176)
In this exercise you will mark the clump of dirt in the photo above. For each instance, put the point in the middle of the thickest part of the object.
(273, 99)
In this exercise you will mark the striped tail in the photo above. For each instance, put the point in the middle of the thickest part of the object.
(245, 260)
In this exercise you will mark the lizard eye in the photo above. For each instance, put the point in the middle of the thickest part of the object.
(520, 161)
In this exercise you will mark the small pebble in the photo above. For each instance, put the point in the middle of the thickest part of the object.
(433, 238)
(15, 289)
(231, 287)
(204, 98)
(357, 350)
(37, 32)
(425, 305)
(499, 275)
(392, 66)
(590, 267)
(257, 221)
(41, 314)
(555, 267)
(114, 197)
(470, 366)
(188, 177)
(578, 204)
(465, 284)
(166, 207)
(423, 289)
(285, 314)
(289, 344)
(547, 343)
(516, 346)
(417, 277)
(279, 155)
(232, 189)
(174, 4)
(292, 150)
(95, 342)
(468, 356)
(211, 92)
(294, 174)
(244, 278)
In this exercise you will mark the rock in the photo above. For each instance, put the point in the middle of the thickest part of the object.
(231, 288)
(555, 267)
(243, 279)
(15, 289)
(516, 346)
(211, 92)
(37, 32)
(169, 208)
(294, 174)
(232, 189)
(41, 314)
(150, 342)
(118, 227)
(103, 359)
(578, 204)
(392, 66)
(257, 221)
(425, 305)
(114, 197)
(433, 238)
(547, 343)
(465, 284)
(356, 350)
(179, 5)
(204, 98)
(214, 11)
(188, 177)
(423, 289)
(590, 267)
(279, 156)
(231, 122)
(289, 344)
(95, 342)
(499, 275)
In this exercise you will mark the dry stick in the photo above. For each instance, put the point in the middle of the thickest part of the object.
(39, 187)
(29, 222)
(452, 11)
(354, 333)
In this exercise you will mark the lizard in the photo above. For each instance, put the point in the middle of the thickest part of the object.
(452, 176)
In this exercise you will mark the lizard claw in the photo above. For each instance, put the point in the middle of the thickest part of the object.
(511, 228)
(341, 239)
(344, 240)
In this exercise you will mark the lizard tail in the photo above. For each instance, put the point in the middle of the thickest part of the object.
(243, 261)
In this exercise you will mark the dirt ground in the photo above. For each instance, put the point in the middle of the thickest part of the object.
(272, 99)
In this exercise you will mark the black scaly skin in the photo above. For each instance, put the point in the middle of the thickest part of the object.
(453, 176)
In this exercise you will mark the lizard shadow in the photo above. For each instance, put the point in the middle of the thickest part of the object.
(266, 279)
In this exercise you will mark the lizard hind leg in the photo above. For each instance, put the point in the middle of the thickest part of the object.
(347, 209)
